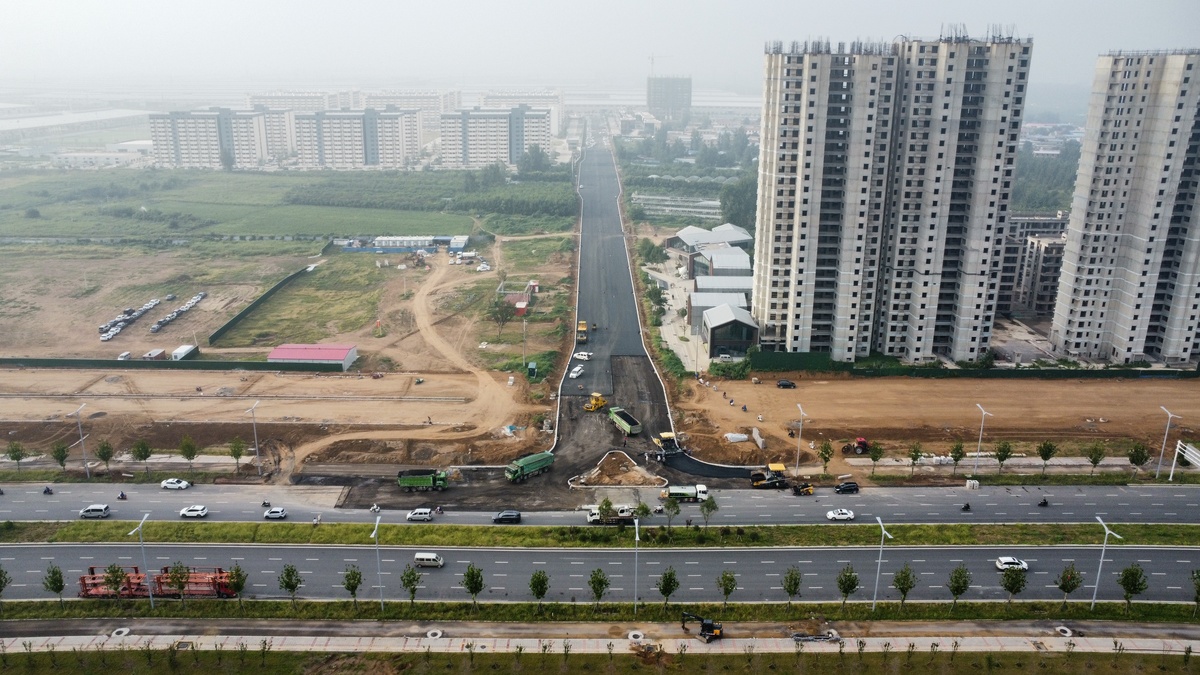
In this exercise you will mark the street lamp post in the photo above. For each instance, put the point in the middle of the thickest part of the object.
(799, 437)
(879, 560)
(524, 359)
(1163, 450)
(1103, 550)
(979, 445)
(79, 419)
(145, 569)
(378, 564)
(636, 538)
(254, 422)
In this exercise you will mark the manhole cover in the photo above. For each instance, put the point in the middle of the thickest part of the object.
(434, 634)
(120, 632)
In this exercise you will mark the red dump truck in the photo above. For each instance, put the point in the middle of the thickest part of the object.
(203, 582)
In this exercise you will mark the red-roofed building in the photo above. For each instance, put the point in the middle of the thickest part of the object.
(343, 354)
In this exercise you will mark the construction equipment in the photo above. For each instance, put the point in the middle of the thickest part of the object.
(422, 480)
(771, 478)
(801, 489)
(528, 466)
(858, 447)
(668, 442)
(581, 331)
(709, 630)
(624, 421)
(596, 402)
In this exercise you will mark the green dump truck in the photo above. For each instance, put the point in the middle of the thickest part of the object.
(422, 480)
(528, 466)
(624, 421)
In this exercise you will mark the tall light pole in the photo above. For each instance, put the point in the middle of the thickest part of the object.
(799, 436)
(79, 419)
(636, 538)
(524, 326)
(879, 560)
(1163, 450)
(1103, 549)
(378, 564)
(145, 569)
(254, 421)
(979, 445)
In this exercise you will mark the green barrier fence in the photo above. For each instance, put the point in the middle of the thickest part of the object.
(248, 309)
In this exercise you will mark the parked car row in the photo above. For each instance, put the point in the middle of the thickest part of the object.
(183, 309)
(110, 329)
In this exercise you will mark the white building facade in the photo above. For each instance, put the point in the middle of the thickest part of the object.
(1130, 284)
(357, 139)
(884, 181)
(478, 137)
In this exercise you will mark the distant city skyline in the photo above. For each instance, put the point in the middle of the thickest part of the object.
(146, 44)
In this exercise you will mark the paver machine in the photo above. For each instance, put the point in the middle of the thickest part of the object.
(709, 630)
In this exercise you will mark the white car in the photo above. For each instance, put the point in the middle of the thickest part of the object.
(194, 511)
(175, 484)
(576, 372)
(840, 514)
(275, 513)
(582, 356)
(1008, 562)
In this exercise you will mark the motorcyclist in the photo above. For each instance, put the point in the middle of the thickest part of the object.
(967, 506)
(266, 504)
(122, 495)
(1044, 502)
(47, 490)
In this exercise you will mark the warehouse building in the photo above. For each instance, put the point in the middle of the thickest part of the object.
(345, 355)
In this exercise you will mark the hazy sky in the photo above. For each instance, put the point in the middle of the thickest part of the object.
(373, 43)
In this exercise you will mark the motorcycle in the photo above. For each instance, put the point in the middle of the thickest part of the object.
(438, 510)
(122, 497)
(658, 509)
(47, 490)
(966, 507)
(266, 504)
(374, 508)
(1044, 502)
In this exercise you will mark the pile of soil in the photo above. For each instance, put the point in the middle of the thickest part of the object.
(617, 468)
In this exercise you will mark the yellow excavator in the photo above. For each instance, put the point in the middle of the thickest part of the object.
(597, 402)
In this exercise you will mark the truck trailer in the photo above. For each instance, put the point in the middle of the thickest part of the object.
(422, 480)
(622, 513)
(203, 582)
(528, 466)
(581, 331)
(624, 421)
(685, 493)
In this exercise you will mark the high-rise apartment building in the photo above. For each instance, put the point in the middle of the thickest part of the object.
(669, 98)
(280, 125)
(209, 139)
(477, 137)
(884, 181)
(358, 139)
(299, 101)
(1130, 283)
(550, 99)
(431, 103)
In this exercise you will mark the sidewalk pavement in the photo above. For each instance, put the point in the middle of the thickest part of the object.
(530, 646)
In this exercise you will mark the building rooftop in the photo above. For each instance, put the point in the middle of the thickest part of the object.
(717, 299)
(705, 283)
(723, 314)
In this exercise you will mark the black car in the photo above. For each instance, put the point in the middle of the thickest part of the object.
(509, 516)
(785, 384)
(849, 487)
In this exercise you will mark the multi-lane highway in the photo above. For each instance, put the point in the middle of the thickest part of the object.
(507, 571)
(1068, 504)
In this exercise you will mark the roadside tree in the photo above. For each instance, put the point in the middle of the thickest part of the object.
(1095, 455)
(501, 312)
(16, 453)
(141, 452)
(707, 508)
(237, 449)
(351, 580)
(727, 582)
(791, 583)
(825, 454)
(410, 580)
(1132, 580)
(188, 450)
(904, 581)
(1138, 456)
(1195, 591)
(957, 454)
(54, 582)
(671, 509)
(290, 582)
(847, 583)
(914, 455)
(539, 586)
(1013, 581)
(105, 453)
(959, 583)
(237, 581)
(1004, 452)
(178, 576)
(114, 580)
(1068, 581)
(473, 583)
(60, 452)
(667, 584)
(5, 581)
(599, 583)
(1046, 451)
(875, 452)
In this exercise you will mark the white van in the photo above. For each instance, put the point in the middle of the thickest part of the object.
(123, 356)
(95, 511)
(428, 560)
(420, 514)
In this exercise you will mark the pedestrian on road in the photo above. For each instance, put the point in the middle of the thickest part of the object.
(731, 402)
(625, 442)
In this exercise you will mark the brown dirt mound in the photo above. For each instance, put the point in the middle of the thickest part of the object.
(618, 469)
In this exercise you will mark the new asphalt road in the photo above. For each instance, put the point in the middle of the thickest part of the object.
(932, 505)
(507, 572)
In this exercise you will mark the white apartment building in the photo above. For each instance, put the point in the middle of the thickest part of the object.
(477, 137)
(550, 99)
(884, 182)
(357, 139)
(299, 101)
(1130, 284)
(280, 125)
(431, 103)
(208, 139)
